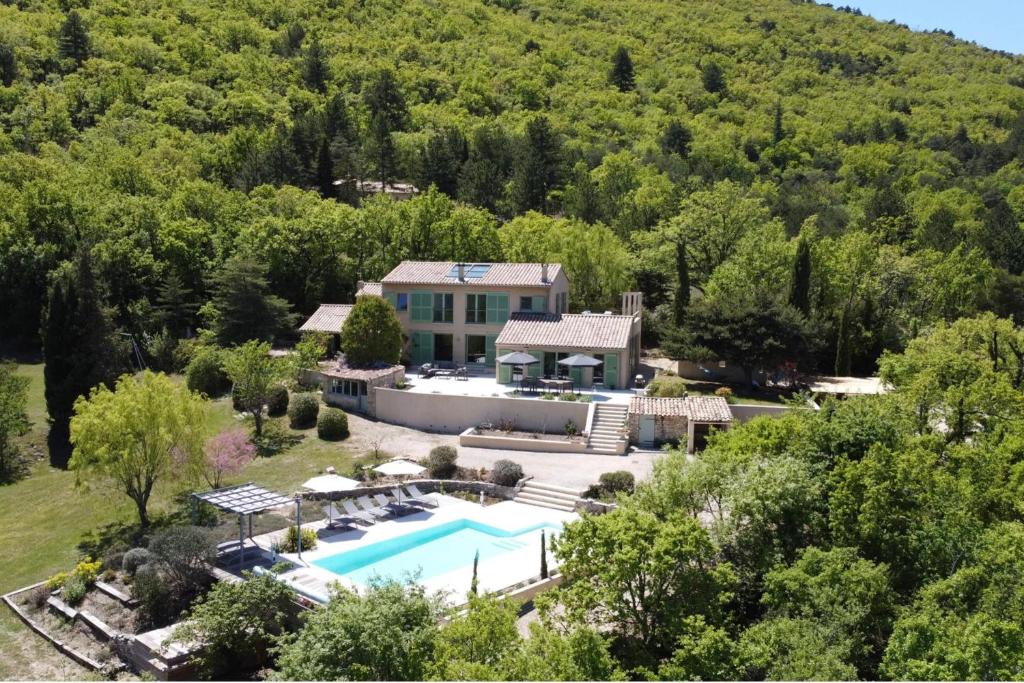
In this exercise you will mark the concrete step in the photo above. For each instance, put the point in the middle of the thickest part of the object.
(607, 430)
(537, 493)
(532, 484)
(547, 504)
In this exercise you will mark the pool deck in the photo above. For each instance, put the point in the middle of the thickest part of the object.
(498, 573)
(478, 385)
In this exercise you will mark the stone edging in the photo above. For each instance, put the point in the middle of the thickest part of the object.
(82, 659)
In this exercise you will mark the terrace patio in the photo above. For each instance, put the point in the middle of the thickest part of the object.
(488, 386)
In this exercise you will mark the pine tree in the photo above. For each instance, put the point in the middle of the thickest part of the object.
(73, 39)
(388, 114)
(315, 71)
(1002, 237)
(443, 158)
(800, 289)
(713, 78)
(676, 139)
(543, 555)
(777, 133)
(8, 65)
(682, 298)
(325, 170)
(242, 307)
(621, 75)
(175, 307)
(80, 350)
(538, 166)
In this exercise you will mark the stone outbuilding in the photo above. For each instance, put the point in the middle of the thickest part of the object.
(654, 420)
(353, 389)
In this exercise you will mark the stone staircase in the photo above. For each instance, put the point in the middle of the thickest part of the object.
(608, 433)
(548, 496)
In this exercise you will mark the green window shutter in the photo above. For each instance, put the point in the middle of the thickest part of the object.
(611, 370)
(577, 376)
(422, 307)
(535, 369)
(422, 350)
(504, 374)
(392, 299)
(540, 304)
(497, 309)
(489, 350)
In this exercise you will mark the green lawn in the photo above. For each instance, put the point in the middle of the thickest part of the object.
(45, 515)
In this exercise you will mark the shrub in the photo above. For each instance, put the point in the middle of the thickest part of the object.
(441, 462)
(547, 396)
(135, 558)
(567, 396)
(74, 590)
(585, 398)
(56, 581)
(290, 542)
(616, 482)
(39, 596)
(277, 402)
(332, 425)
(506, 473)
(571, 429)
(87, 571)
(205, 372)
(726, 393)
(157, 606)
(303, 411)
(667, 386)
(184, 552)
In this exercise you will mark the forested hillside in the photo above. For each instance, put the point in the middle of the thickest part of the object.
(800, 157)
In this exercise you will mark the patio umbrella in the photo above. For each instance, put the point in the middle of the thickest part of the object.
(400, 468)
(330, 483)
(580, 360)
(516, 358)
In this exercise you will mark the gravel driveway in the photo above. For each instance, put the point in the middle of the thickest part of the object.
(572, 470)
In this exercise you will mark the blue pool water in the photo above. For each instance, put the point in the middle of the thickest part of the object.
(431, 552)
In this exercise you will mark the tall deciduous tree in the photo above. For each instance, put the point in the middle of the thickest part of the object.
(79, 348)
(372, 332)
(254, 374)
(146, 431)
(242, 307)
(621, 74)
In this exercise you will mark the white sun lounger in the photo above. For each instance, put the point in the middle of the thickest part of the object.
(418, 495)
(356, 513)
(370, 508)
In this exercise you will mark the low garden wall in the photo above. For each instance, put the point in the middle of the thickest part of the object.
(470, 437)
(454, 414)
(425, 486)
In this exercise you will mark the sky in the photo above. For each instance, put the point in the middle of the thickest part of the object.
(997, 24)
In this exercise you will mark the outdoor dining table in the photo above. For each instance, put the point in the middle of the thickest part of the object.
(559, 384)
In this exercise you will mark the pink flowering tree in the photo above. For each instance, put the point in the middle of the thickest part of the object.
(226, 454)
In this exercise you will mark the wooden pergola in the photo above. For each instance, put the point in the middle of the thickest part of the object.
(244, 500)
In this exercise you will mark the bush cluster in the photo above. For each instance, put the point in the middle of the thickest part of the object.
(441, 462)
(618, 481)
(74, 590)
(332, 425)
(667, 386)
(277, 402)
(290, 542)
(303, 411)
(205, 372)
(506, 473)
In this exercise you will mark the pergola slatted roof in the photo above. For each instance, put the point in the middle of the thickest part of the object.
(244, 499)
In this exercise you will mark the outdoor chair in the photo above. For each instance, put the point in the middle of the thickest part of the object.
(384, 503)
(419, 497)
(370, 508)
(337, 520)
(356, 513)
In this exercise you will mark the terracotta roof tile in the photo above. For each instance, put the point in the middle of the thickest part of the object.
(697, 408)
(327, 318)
(497, 275)
(371, 289)
(567, 331)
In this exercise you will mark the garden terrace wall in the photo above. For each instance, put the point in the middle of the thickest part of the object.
(454, 414)
(470, 437)
(425, 486)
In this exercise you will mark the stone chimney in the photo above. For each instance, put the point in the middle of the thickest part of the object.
(543, 272)
(632, 303)
(462, 272)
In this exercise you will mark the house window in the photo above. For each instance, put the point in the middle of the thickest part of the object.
(561, 303)
(348, 387)
(534, 304)
(476, 308)
(443, 307)
(402, 301)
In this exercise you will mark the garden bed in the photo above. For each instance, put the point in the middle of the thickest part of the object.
(522, 441)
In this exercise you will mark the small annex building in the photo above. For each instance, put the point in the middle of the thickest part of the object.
(653, 420)
(351, 389)
(328, 318)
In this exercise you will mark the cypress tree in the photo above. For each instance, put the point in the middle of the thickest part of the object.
(73, 39)
(473, 583)
(682, 298)
(79, 348)
(325, 170)
(388, 114)
(621, 75)
(713, 78)
(843, 351)
(676, 139)
(800, 290)
(777, 133)
(543, 555)
(8, 65)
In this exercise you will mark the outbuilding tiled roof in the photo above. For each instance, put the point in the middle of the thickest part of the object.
(336, 370)
(370, 289)
(712, 409)
(327, 318)
(566, 331)
(497, 275)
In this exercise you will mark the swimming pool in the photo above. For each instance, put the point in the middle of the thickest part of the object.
(433, 551)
